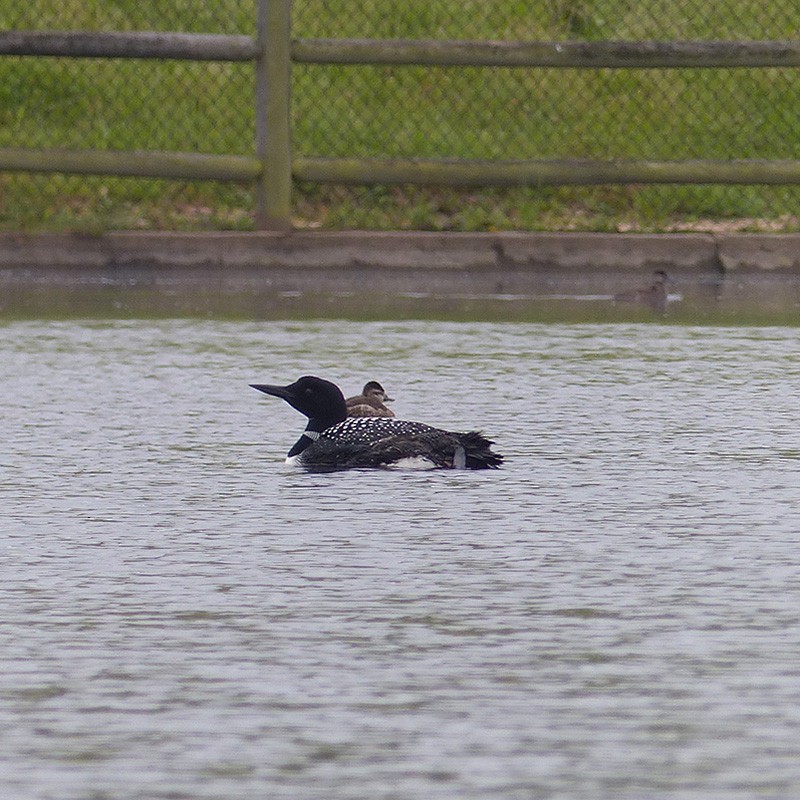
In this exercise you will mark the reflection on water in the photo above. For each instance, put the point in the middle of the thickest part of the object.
(358, 293)
(612, 614)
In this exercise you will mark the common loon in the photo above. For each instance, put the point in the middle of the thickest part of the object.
(370, 403)
(655, 295)
(332, 440)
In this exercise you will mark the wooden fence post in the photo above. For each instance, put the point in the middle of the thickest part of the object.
(273, 122)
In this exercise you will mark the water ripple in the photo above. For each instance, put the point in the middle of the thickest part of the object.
(614, 613)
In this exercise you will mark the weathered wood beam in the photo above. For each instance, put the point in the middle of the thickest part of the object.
(78, 44)
(549, 54)
(455, 172)
(212, 47)
(274, 115)
(183, 166)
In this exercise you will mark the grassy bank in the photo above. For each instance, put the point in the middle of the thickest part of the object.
(408, 112)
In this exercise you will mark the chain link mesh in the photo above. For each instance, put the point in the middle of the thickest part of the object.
(515, 113)
(125, 105)
(408, 112)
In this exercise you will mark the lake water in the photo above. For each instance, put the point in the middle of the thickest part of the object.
(614, 614)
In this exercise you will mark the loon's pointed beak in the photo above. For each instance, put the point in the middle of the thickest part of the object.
(284, 392)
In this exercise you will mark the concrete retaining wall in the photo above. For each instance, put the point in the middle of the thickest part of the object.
(320, 250)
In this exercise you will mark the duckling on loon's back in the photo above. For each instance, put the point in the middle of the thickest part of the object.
(331, 440)
(370, 403)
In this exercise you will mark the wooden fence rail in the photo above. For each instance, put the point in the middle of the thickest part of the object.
(586, 55)
(77, 44)
(272, 51)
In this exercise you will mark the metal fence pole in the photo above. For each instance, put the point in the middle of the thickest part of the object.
(273, 125)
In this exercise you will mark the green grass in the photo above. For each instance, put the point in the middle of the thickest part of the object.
(407, 112)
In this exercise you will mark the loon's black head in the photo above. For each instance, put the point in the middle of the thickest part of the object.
(321, 401)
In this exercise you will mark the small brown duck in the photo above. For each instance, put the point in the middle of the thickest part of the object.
(655, 295)
(370, 403)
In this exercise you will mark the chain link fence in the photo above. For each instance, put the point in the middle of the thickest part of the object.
(125, 105)
(409, 112)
